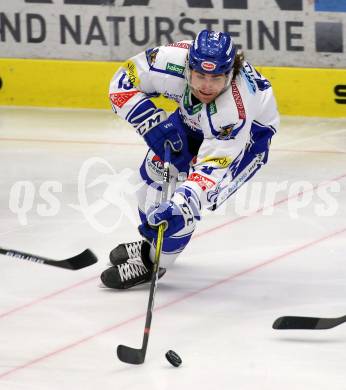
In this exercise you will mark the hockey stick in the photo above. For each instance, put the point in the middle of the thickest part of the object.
(296, 322)
(82, 260)
(133, 355)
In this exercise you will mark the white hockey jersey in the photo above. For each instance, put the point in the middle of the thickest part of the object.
(225, 123)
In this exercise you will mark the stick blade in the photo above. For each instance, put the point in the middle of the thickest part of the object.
(292, 322)
(296, 322)
(82, 260)
(130, 355)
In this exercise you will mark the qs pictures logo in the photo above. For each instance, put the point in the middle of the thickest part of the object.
(105, 197)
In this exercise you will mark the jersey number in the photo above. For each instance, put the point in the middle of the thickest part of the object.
(124, 84)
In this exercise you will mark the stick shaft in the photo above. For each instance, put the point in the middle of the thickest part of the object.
(159, 243)
(133, 355)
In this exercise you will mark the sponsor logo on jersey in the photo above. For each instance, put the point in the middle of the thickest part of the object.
(132, 73)
(157, 161)
(175, 68)
(238, 100)
(212, 108)
(220, 162)
(204, 182)
(208, 66)
(191, 123)
(151, 122)
(155, 164)
(120, 98)
(172, 96)
(182, 45)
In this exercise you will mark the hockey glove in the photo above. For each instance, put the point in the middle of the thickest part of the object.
(156, 130)
(175, 216)
(260, 140)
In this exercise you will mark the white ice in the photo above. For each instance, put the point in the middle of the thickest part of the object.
(251, 262)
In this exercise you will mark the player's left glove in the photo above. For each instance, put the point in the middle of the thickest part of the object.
(260, 141)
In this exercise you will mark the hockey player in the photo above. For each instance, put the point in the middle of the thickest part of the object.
(219, 134)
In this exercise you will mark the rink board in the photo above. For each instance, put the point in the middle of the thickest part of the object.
(84, 84)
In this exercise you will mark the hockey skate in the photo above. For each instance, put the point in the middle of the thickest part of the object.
(131, 266)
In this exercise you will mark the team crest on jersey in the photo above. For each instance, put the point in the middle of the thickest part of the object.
(226, 132)
(120, 98)
(208, 66)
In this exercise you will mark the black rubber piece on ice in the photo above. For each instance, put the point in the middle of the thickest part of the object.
(173, 358)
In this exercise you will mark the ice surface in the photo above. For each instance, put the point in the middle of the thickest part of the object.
(256, 259)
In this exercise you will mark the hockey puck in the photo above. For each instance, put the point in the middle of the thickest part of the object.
(173, 358)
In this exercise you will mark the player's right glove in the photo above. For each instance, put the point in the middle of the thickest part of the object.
(156, 130)
(176, 214)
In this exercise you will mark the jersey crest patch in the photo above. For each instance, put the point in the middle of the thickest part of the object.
(226, 132)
